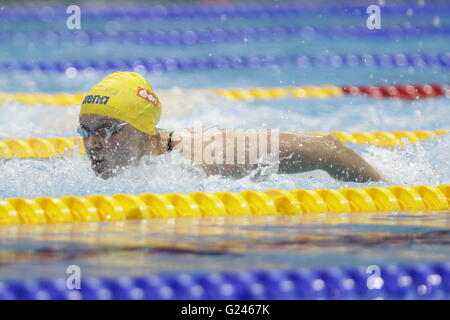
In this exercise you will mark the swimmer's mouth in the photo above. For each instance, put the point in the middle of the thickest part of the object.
(96, 163)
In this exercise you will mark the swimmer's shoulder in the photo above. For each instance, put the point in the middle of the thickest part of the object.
(172, 137)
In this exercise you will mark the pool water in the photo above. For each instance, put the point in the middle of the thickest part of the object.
(193, 245)
(136, 248)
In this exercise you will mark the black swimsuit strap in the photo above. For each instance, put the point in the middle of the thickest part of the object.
(169, 142)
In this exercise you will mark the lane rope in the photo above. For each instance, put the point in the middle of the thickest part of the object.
(119, 207)
(229, 10)
(43, 148)
(218, 35)
(406, 92)
(398, 282)
(163, 65)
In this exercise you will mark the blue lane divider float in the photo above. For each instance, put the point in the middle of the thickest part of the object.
(240, 10)
(161, 65)
(416, 281)
(201, 36)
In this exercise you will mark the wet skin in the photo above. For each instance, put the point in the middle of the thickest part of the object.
(111, 155)
(297, 152)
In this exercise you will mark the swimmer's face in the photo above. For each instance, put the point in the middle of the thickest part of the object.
(109, 155)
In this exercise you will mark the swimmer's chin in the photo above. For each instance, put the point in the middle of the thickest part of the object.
(106, 170)
(108, 173)
(105, 175)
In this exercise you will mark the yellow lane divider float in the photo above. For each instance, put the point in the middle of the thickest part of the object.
(39, 147)
(201, 204)
(60, 99)
(409, 92)
(56, 147)
(67, 99)
(279, 92)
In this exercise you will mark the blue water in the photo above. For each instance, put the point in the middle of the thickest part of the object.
(137, 247)
(187, 245)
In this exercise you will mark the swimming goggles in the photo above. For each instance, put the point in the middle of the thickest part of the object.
(105, 132)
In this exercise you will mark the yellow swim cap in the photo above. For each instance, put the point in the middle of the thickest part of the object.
(126, 96)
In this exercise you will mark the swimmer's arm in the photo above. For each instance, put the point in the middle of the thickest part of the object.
(300, 152)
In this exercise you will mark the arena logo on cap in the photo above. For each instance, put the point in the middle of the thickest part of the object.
(95, 99)
(148, 95)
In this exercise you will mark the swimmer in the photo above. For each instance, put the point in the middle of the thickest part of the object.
(118, 119)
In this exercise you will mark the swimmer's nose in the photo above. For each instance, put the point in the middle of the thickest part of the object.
(93, 143)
